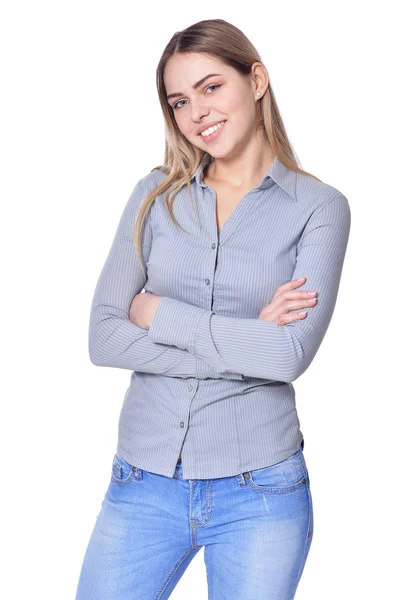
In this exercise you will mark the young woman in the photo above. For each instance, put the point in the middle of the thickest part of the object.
(240, 254)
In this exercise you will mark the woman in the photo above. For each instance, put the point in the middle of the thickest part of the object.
(223, 237)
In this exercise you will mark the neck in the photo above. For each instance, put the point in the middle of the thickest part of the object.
(242, 169)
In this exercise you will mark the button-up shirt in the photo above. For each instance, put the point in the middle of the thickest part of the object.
(211, 380)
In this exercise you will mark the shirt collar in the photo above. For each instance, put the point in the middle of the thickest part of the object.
(284, 177)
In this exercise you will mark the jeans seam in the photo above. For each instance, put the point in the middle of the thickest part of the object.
(307, 539)
(173, 571)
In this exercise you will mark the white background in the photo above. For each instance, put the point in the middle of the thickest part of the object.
(80, 124)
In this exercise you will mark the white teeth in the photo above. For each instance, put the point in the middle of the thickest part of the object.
(211, 129)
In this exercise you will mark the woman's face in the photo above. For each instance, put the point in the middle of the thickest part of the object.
(224, 96)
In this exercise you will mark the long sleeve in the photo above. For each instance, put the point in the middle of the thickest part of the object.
(259, 348)
(114, 341)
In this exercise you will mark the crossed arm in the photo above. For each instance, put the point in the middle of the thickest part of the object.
(114, 341)
(187, 341)
(259, 348)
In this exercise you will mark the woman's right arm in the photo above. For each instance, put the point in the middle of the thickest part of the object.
(114, 341)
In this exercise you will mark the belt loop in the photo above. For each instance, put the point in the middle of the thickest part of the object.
(241, 480)
(138, 473)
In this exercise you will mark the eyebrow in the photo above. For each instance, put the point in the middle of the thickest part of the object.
(195, 86)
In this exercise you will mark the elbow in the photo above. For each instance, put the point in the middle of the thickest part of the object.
(96, 350)
(293, 353)
(295, 357)
(297, 368)
(109, 345)
(288, 375)
(294, 374)
(102, 346)
(286, 372)
(95, 357)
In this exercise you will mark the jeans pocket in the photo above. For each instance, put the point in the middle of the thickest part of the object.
(122, 471)
(280, 478)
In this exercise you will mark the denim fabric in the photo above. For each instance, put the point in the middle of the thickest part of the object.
(256, 529)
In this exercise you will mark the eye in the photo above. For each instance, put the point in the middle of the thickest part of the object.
(175, 106)
(215, 85)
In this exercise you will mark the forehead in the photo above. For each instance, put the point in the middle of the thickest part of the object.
(183, 70)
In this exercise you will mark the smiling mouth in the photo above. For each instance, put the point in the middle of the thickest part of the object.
(212, 132)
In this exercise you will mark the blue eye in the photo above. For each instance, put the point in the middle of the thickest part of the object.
(175, 106)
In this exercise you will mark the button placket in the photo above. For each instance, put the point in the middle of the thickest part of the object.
(183, 424)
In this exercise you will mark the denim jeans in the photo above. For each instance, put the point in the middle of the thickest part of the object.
(256, 529)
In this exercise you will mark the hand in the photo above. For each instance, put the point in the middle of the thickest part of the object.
(142, 309)
(286, 299)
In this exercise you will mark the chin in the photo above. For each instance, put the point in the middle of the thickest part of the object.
(220, 152)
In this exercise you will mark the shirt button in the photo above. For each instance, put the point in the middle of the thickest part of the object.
(213, 245)
(207, 281)
(181, 424)
(189, 387)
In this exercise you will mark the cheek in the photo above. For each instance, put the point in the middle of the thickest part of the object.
(184, 126)
(237, 97)
(242, 108)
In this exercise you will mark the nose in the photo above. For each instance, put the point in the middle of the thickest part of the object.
(198, 112)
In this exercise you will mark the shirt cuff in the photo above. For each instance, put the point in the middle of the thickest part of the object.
(204, 371)
(175, 323)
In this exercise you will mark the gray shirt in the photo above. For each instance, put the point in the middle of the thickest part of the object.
(210, 379)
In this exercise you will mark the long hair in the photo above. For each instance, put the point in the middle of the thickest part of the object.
(217, 38)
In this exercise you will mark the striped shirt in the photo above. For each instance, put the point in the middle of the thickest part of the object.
(209, 379)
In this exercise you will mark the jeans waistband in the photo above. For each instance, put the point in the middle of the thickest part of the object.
(179, 467)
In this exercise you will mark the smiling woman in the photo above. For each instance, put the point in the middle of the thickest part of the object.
(210, 450)
(217, 113)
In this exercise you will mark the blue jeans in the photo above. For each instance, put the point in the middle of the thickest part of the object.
(256, 528)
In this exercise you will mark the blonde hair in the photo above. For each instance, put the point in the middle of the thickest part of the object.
(217, 38)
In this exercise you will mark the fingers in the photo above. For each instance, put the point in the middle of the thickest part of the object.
(284, 319)
(288, 298)
(291, 284)
(287, 292)
(298, 302)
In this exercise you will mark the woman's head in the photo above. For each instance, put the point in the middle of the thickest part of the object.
(244, 100)
(211, 46)
(203, 90)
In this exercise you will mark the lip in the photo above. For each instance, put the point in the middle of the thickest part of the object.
(208, 139)
(210, 125)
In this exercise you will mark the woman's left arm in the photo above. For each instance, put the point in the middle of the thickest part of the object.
(259, 348)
